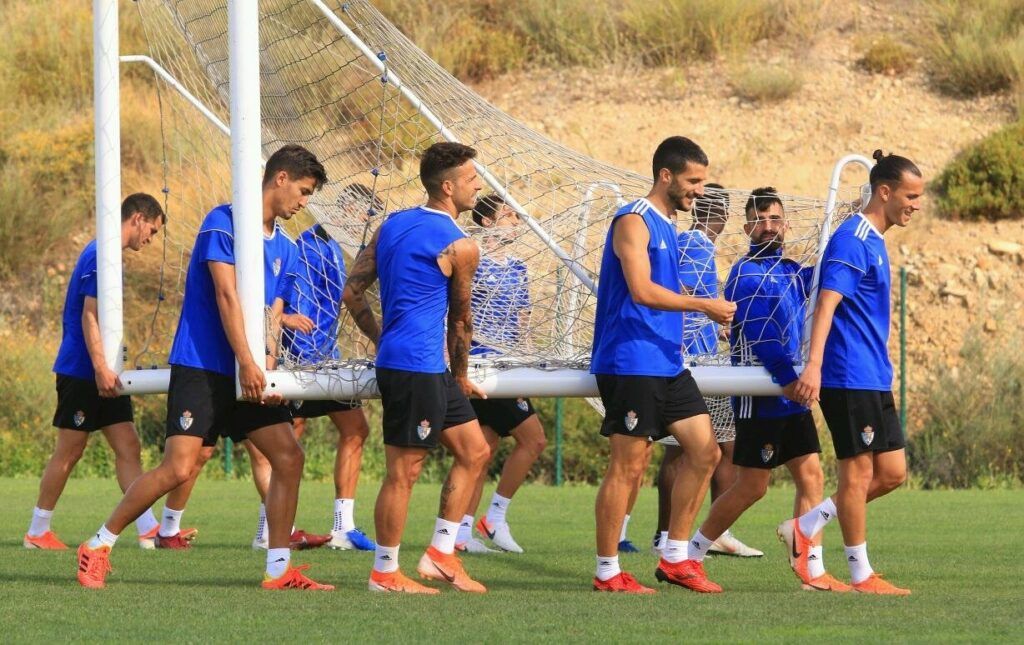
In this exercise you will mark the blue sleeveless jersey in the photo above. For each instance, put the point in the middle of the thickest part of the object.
(631, 339)
(413, 291)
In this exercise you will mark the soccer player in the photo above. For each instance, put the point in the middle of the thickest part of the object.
(501, 310)
(425, 263)
(769, 291)
(848, 371)
(201, 398)
(88, 391)
(646, 390)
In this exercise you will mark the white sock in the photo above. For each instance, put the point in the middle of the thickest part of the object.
(170, 523)
(816, 561)
(607, 568)
(146, 522)
(662, 540)
(625, 528)
(277, 561)
(496, 511)
(385, 558)
(465, 530)
(696, 548)
(444, 535)
(103, 537)
(857, 559)
(261, 525)
(40, 522)
(344, 510)
(817, 518)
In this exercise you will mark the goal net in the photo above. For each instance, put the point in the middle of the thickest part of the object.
(339, 79)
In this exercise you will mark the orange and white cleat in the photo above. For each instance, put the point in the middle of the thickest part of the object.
(172, 542)
(435, 565)
(293, 578)
(622, 583)
(148, 539)
(301, 540)
(397, 582)
(798, 548)
(47, 542)
(877, 585)
(189, 534)
(93, 566)
(826, 582)
(687, 573)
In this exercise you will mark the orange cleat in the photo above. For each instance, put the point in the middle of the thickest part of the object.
(47, 542)
(876, 585)
(293, 578)
(622, 583)
(397, 582)
(189, 534)
(435, 565)
(173, 542)
(798, 547)
(148, 539)
(687, 573)
(826, 582)
(300, 540)
(93, 566)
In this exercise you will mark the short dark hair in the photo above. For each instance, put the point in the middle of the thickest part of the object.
(487, 207)
(715, 206)
(438, 159)
(360, 192)
(674, 153)
(889, 169)
(298, 162)
(761, 199)
(142, 203)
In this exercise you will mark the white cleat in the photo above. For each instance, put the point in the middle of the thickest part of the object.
(727, 544)
(499, 535)
(258, 545)
(473, 545)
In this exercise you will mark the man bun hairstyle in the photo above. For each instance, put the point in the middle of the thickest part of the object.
(761, 199)
(142, 203)
(487, 207)
(889, 169)
(712, 205)
(440, 159)
(298, 162)
(674, 153)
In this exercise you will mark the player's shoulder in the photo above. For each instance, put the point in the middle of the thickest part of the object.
(640, 207)
(218, 219)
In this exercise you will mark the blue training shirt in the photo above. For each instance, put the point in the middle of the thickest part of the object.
(770, 293)
(413, 291)
(501, 294)
(73, 356)
(317, 294)
(629, 338)
(856, 265)
(698, 273)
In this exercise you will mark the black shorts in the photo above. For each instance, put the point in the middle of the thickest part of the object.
(418, 407)
(80, 406)
(645, 406)
(861, 421)
(767, 443)
(317, 408)
(502, 415)
(201, 403)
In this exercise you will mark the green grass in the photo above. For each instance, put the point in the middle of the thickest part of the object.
(959, 552)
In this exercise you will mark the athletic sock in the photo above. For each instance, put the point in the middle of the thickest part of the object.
(385, 558)
(662, 540)
(607, 567)
(277, 561)
(496, 511)
(344, 510)
(625, 528)
(444, 535)
(40, 522)
(816, 561)
(696, 548)
(817, 518)
(103, 537)
(465, 530)
(857, 559)
(261, 525)
(146, 522)
(170, 523)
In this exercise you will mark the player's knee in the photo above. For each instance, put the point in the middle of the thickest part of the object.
(290, 462)
(69, 456)
(891, 480)
(705, 460)
(477, 455)
(177, 473)
(128, 449)
(811, 482)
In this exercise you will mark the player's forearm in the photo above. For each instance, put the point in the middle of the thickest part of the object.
(362, 314)
(460, 336)
(230, 311)
(93, 339)
(656, 296)
(821, 325)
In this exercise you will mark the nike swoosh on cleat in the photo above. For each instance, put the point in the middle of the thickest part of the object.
(449, 578)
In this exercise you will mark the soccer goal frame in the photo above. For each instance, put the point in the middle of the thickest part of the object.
(245, 132)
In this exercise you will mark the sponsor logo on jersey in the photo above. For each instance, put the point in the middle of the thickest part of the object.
(277, 267)
(185, 420)
(79, 418)
(767, 452)
(631, 420)
(523, 404)
(867, 436)
(423, 429)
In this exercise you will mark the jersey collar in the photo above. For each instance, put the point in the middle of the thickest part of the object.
(655, 209)
(870, 225)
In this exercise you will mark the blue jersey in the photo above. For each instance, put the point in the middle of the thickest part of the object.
(629, 338)
(501, 295)
(73, 356)
(770, 293)
(856, 265)
(413, 291)
(699, 275)
(317, 295)
(200, 341)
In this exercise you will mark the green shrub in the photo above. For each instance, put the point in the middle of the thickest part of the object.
(765, 83)
(887, 56)
(986, 181)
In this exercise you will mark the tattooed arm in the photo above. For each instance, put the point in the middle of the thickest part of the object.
(461, 258)
(361, 278)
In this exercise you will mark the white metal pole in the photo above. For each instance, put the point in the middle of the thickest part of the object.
(173, 82)
(107, 108)
(246, 153)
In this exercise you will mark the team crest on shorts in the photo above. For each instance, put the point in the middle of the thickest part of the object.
(867, 436)
(79, 418)
(631, 420)
(277, 267)
(523, 404)
(767, 452)
(185, 420)
(423, 429)
(297, 404)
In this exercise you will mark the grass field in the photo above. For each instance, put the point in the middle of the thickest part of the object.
(959, 551)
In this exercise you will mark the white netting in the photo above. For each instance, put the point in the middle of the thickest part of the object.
(320, 91)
